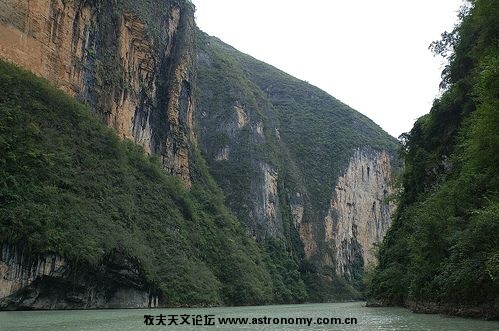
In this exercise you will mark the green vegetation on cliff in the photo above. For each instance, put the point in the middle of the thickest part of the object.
(271, 148)
(255, 119)
(443, 246)
(70, 186)
(308, 134)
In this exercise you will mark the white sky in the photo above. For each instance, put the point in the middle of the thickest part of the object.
(370, 54)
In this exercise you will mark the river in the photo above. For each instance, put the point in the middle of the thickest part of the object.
(279, 317)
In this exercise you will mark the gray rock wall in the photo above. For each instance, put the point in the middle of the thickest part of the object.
(50, 282)
(360, 211)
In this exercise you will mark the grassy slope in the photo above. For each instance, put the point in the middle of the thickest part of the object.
(69, 185)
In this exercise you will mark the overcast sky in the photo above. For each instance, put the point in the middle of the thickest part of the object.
(371, 55)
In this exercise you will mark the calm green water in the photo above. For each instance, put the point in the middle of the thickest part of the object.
(133, 319)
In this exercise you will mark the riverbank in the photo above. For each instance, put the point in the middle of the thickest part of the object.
(477, 312)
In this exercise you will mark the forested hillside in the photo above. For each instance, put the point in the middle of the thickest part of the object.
(442, 251)
(69, 186)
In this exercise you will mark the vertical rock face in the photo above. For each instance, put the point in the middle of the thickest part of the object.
(50, 38)
(18, 271)
(105, 54)
(270, 213)
(50, 282)
(137, 56)
(360, 212)
(358, 215)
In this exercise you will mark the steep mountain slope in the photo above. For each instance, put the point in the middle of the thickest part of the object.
(131, 61)
(442, 252)
(278, 147)
(87, 220)
(280, 189)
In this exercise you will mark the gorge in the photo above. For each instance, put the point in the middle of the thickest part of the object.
(249, 186)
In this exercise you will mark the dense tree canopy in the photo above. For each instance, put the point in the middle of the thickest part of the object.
(443, 246)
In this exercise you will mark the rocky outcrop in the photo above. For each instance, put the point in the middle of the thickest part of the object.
(358, 215)
(223, 154)
(51, 38)
(138, 58)
(269, 212)
(49, 281)
(106, 55)
(18, 271)
(360, 211)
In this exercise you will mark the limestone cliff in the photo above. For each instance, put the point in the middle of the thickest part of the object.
(296, 165)
(134, 69)
(50, 282)
(357, 218)
(268, 209)
(360, 211)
